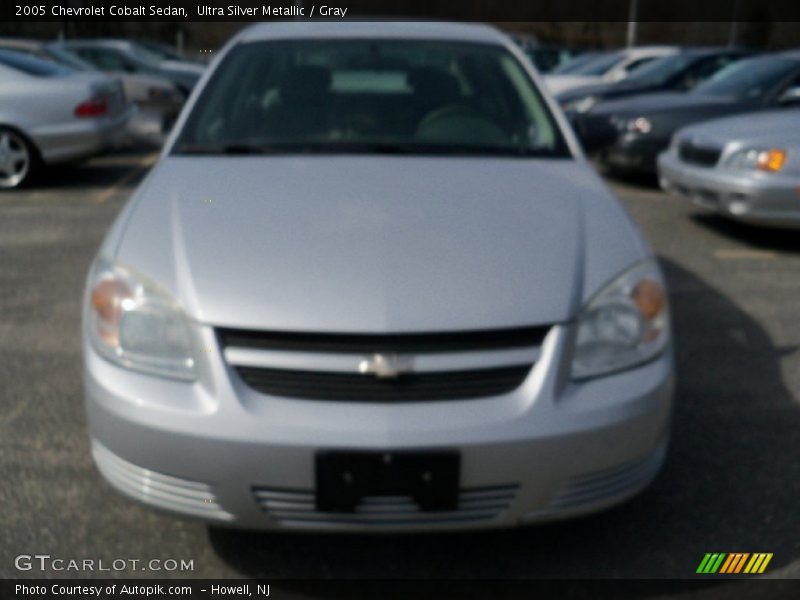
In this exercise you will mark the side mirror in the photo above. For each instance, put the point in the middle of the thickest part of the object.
(790, 96)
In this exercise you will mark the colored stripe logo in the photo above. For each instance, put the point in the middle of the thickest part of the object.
(734, 563)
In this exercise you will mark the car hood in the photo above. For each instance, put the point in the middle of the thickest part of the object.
(773, 128)
(649, 104)
(366, 244)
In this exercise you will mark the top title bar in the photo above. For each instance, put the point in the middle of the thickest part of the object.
(463, 10)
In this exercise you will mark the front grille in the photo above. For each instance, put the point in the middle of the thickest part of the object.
(692, 153)
(400, 343)
(297, 508)
(444, 385)
(421, 366)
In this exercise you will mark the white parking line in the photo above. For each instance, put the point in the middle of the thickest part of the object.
(743, 254)
(107, 193)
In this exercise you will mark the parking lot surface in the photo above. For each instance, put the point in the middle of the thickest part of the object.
(731, 482)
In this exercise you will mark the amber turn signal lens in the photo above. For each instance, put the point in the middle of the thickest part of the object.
(771, 160)
(107, 299)
(649, 298)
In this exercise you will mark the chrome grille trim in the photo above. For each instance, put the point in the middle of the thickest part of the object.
(603, 486)
(349, 363)
(156, 489)
(297, 508)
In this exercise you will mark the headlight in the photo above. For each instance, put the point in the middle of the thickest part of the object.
(134, 323)
(640, 125)
(770, 160)
(624, 325)
(580, 105)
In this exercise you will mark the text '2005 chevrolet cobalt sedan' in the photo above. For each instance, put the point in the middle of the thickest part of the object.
(372, 284)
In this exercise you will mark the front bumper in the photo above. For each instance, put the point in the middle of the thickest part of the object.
(754, 197)
(633, 153)
(217, 450)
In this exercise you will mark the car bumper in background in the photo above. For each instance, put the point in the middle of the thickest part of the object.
(752, 197)
(81, 138)
(634, 154)
(225, 453)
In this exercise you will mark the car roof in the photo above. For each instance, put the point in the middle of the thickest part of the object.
(467, 32)
(20, 43)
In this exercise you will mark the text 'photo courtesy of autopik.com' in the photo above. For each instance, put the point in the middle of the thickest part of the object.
(399, 299)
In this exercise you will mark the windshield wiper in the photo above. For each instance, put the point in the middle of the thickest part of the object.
(344, 147)
(238, 148)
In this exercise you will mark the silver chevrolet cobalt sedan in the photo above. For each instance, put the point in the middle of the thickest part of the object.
(372, 284)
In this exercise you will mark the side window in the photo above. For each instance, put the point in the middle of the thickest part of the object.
(637, 63)
(107, 60)
(789, 94)
(707, 67)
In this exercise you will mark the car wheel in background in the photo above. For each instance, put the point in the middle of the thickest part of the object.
(18, 159)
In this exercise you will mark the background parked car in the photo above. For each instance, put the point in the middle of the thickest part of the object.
(130, 57)
(165, 51)
(629, 134)
(154, 95)
(46, 51)
(746, 168)
(51, 114)
(578, 61)
(678, 72)
(612, 66)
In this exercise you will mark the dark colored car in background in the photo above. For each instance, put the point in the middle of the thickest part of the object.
(679, 72)
(628, 134)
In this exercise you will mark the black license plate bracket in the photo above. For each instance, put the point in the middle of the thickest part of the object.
(343, 479)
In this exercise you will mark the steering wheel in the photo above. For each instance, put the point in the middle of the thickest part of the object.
(463, 123)
(450, 111)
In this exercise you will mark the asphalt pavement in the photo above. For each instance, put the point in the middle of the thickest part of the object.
(731, 482)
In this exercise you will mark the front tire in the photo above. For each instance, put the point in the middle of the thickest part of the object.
(18, 159)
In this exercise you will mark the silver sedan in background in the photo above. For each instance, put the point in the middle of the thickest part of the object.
(51, 114)
(746, 168)
(158, 100)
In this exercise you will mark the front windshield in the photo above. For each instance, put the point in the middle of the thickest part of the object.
(371, 96)
(660, 70)
(748, 78)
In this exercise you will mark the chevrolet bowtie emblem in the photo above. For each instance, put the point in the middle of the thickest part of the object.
(386, 366)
